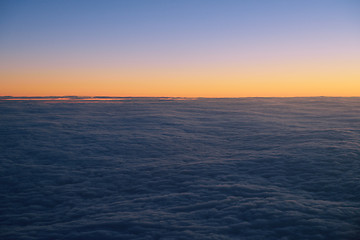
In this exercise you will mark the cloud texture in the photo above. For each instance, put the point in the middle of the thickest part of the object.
(137, 168)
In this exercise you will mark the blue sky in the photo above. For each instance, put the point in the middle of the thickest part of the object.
(187, 35)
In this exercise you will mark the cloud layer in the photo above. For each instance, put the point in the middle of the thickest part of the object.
(166, 169)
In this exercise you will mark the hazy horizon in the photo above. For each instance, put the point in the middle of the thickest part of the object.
(164, 97)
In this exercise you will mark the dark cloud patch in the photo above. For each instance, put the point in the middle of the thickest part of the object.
(152, 168)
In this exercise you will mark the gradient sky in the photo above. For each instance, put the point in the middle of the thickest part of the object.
(187, 48)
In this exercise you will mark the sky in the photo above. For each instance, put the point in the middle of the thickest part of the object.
(188, 48)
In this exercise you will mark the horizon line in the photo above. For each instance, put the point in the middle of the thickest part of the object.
(75, 97)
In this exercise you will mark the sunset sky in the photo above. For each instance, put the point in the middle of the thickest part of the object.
(184, 48)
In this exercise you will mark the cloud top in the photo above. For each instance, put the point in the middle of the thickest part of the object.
(251, 168)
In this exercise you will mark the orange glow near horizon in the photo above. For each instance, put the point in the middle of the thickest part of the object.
(270, 81)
